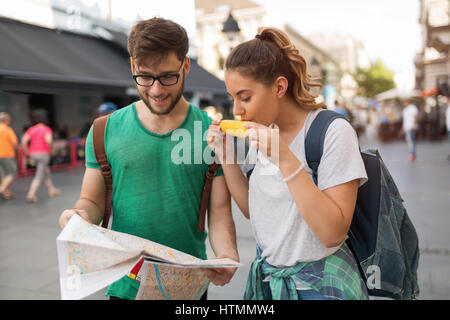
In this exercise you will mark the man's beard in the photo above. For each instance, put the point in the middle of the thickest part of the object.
(171, 107)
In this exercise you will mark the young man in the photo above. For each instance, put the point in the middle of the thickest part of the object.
(410, 123)
(154, 196)
(8, 147)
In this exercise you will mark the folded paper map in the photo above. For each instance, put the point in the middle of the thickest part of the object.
(91, 257)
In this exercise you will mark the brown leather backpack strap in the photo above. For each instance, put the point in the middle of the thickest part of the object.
(98, 139)
(210, 174)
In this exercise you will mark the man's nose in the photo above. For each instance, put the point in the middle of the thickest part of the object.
(157, 89)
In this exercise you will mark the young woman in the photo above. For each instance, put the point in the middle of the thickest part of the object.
(300, 227)
(37, 144)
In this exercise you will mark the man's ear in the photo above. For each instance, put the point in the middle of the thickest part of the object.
(187, 65)
(132, 65)
(280, 86)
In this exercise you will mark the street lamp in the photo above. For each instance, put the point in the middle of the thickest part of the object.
(231, 28)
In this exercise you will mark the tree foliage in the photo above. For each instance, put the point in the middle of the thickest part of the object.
(374, 80)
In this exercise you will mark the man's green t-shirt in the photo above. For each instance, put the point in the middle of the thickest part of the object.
(157, 182)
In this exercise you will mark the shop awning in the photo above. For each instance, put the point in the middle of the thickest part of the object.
(41, 60)
(36, 59)
(200, 80)
(429, 92)
(396, 93)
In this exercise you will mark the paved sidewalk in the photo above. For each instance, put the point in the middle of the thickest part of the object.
(28, 261)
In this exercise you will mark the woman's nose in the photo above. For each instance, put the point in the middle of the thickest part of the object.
(238, 110)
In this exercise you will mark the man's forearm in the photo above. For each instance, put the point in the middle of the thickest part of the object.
(94, 212)
(222, 234)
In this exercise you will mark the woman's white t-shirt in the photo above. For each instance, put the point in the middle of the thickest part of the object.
(279, 229)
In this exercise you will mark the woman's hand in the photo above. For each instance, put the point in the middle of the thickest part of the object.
(216, 140)
(267, 140)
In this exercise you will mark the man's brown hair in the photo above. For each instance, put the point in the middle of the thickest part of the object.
(157, 37)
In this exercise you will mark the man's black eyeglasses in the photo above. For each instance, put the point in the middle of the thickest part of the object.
(168, 79)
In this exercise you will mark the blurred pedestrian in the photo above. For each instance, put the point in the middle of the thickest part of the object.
(102, 110)
(384, 124)
(106, 108)
(410, 125)
(340, 108)
(372, 125)
(156, 197)
(300, 227)
(447, 121)
(8, 147)
(37, 144)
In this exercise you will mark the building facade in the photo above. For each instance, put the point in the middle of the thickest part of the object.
(322, 67)
(433, 62)
(349, 53)
(211, 43)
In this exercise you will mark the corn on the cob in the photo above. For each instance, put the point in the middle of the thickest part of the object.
(233, 127)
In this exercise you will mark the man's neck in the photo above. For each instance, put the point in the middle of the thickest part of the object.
(162, 124)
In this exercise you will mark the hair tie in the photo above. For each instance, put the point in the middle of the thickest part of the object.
(261, 37)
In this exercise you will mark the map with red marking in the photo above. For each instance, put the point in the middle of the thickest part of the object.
(91, 257)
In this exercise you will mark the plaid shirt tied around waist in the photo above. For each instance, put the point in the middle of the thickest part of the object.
(336, 277)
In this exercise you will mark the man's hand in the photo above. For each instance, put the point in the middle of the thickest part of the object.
(91, 204)
(67, 214)
(219, 276)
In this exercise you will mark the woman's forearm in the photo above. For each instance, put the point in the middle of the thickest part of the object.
(319, 211)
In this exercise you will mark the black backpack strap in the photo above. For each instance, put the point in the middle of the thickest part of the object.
(315, 139)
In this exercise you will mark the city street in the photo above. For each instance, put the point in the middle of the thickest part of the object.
(28, 260)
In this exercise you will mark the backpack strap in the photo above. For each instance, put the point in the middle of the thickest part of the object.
(315, 139)
(98, 139)
(210, 174)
